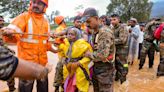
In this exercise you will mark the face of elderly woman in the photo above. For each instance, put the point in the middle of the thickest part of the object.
(71, 35)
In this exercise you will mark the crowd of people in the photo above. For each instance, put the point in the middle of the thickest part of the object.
(94, 51)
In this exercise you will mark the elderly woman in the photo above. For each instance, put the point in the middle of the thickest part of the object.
(75, 69)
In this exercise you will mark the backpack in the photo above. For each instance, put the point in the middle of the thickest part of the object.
(157, 32)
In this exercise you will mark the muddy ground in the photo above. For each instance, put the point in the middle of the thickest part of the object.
(144, 80)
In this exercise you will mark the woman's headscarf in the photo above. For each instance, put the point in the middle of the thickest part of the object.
(76, 30)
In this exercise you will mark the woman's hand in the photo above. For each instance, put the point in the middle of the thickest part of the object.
(74, 66)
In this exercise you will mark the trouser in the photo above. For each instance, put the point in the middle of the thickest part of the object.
(121, 64)
(121, 71)
(58, 80)
(150, 50)
(139, 51)
(160, 71)
(103, 75)
(27, 85)
(11, 84)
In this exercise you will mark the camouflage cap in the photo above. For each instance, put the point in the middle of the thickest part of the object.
(89, 12)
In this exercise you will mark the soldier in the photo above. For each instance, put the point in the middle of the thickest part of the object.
(160, 71)
(148, 46)
(121, 38)
(10, 82)
(104, 52)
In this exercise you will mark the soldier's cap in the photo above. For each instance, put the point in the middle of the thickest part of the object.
(89, 12)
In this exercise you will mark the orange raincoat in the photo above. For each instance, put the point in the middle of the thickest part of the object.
(30, 47)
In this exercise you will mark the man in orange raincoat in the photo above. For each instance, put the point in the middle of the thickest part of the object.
(32, 48)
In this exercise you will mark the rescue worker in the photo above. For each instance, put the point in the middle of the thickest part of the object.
(160, 71)
(148, 46)
(11, 66)
(58, 79)
(59, 20)
(32, 48)
(103, 54)
(121, 39)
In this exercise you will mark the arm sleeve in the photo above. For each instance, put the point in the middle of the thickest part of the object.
(105, 41)
(8, 64)
(135, 33)
(18, 25)
(123, 35)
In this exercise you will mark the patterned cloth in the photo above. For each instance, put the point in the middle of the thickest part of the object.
(8, 62)
(121, 40)
(103, 73)
(148, 47)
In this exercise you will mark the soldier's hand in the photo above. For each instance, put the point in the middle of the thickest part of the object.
(88, 54)
(49, 67)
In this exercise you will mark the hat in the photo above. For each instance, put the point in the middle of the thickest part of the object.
(89, 12)
(133, 19)
(58, 19)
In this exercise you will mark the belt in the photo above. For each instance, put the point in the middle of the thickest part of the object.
(73, 59)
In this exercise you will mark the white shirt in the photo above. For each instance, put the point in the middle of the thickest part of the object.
(141, 37)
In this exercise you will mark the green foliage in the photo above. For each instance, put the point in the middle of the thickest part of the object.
(13, 7)
(139, 9)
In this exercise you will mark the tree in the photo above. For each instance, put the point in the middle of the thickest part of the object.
(139, 9)
(13, 7)
(78, 9)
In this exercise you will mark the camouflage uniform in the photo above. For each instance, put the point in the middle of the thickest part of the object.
(11, 84)
(160, 71)
(121, 38)
(103, 73)
(148, 46)
(8, 62)
(58, 79)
